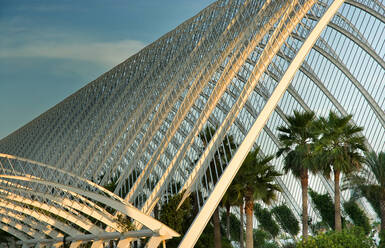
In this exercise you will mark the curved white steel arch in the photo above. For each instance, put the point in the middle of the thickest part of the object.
(102, 217)
(367, 9)
(372, 103)
(76, 219)
(46, 229)
(130, 211)
(21, 227)
(15, 232)
(42, 218)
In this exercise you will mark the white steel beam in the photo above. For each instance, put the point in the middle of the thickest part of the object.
(228, 175)
(221, 86)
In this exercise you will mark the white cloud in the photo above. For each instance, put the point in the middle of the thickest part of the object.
(104, 53)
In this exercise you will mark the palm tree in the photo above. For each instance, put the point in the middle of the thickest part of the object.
(297, 140)
(338, 150)
(256, 178)
(371, 181)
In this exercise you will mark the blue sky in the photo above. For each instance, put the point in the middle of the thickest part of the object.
(51, 48)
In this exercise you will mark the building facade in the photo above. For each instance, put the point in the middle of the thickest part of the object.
(132, 138)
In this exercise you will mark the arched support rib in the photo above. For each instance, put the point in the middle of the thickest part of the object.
(21, 227)
(71, 204)
(76, 219)
(380, 114)
(364, 46)
(126, 209)
(4, 203)
(46, 229)
(368, 10)
(13, 231)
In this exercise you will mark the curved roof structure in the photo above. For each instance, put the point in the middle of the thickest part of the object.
(240, 66)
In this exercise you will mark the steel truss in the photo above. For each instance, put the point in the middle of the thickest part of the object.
(239, 66)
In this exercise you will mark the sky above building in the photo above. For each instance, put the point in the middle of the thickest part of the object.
(50, 49)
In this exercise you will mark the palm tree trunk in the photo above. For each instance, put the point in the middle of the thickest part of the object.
(382, 230)
(249, 207)
(382, 209)
(337, 201)
(304, 185)
(228, 221)
(217, 229)
(241, 226)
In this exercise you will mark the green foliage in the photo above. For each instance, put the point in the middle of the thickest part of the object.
(363, 182)
(296, 138)
(256, 177)
(176, 219)
(324, 205)
(266, 221)
(374, 202)
(340, 144)
(347, 238)
(259, 237)
(179, 220)
(269, 245)
(357, 215)
(286, 219)
(111, 186)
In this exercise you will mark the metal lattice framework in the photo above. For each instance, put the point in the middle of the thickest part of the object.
(240, 66)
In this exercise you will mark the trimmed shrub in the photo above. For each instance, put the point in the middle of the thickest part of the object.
(325, 206)
(265, 220)
(375, 202)
(259, 237)
(286, 219)
(357, 215)
(347, 238)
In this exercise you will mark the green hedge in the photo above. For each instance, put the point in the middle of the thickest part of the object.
(347, 238)
(261, 239)
(375, 202)
(265, 220)
(286, 219)
(325, 206)
(357, 215)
